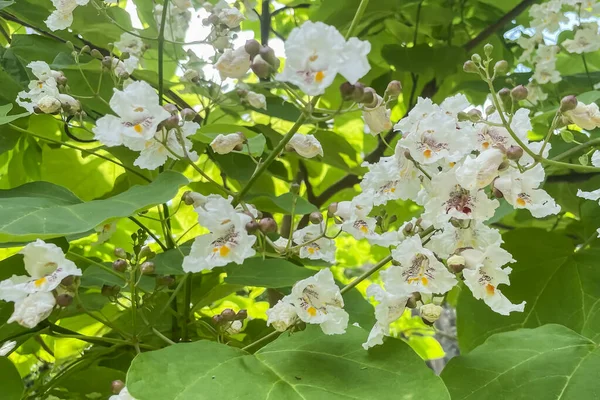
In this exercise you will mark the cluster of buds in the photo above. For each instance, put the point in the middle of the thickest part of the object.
(64, 293)
(264, 62)
(265, 225)
(359, 93)
(229, 321)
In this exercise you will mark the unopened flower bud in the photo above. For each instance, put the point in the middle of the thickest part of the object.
(187, 198)
(358, 93)
(394, 88)
(125, 55)
(241, 315)
(171, 108)
(332, 209)
(267, 225)
(407, 230)
(501, 67)
(121, 253)
(228, 314)
(514, 152)
(519, 93)
(171, 123)
(110, 290)
(347, 91)
(470, 67)
(187, 114)
(252, 226)
(213, 19)
(463, 116)
(166, 280)
(488, 49)
(85, 49)
(117, 386)
(476, 58)
(147, 268)
(413, 300)
(119, 265)
(568, 103)
(107, 62)
(64, 300)
(295, 187)
(567, 136)
(96, 54)
(260, 67)
(252, 47)
(68, 281)
(430, 313)
(369, 98)
(474, 115)
(496, 192)
(503, 165)
(268, 54)
(146, 252)
(315, 217)
(191, 75)
(49, 105)
(456, 263)
(504, 93)
(217, 319)
(489, 110)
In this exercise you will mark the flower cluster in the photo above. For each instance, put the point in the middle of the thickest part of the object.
(50, 276)
(62, 17)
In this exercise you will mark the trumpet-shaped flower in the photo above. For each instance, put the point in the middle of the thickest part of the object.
(314, 246)
(390, 308)
(305, 145)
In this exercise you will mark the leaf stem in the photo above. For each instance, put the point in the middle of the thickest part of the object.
(262, 339)
(149, 232)
(357, 17)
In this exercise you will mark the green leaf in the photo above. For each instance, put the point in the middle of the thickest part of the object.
(283, 204)
(4, 118)
(43, 210)
(171, 261)
(559, 286)
(549, 362)
(268, 273)
(10, 380)
(306, 365)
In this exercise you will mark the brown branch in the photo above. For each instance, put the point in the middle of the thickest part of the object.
(487, 32)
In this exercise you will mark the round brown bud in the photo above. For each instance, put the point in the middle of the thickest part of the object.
(187, 198)
(228, 314)
(268, 54)
(504, 93)
(117, 386)
(166, 280)
(110, 290)
(568, 103)
(456, 263)
(407, 230)
(470, 67)
(252, 226)
(119, 265)
(347, 91)
(369, 98)
(496, 192)
(64, 300)
(514, 152)
(107, 62)
(315, 217)
(260, 67)
(359, 92)
(413, 300)
(501, 67)
(68, 281)
(171, 108)
(519, 93)
(121, 253)
(394, 88)
(61, 79)
(217, 319)
(147, 268)
(171, 123)
(187, 114)
(242, 314)
(332, 209)
(252, 47)
(267, 225)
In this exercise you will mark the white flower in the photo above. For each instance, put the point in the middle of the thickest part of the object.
(586, 40)
(178, 20)
(234, 327)
(305, 145)
(535, 93)
(478, 236)
(390, 308)
(233, 63)
(224, 144)
(478, 172)
(520, 191)
(123, 69)
(105, 231)
(154, 154)
(62, 17)
(281, 316)
(318, 249)
(316, 53)
(7, 347)
(44, 86)
(228, 240)
(430, 312)
(495, 136)
(123, 395)
(419, 270)
(256, 100)
(586, 116)
(69, 103)
(230, 16)
(593, 195)
(377, 119)
(448, 199)
(355, 217)
(392, 178)
(131, 44)
(484, 274)
(596, 158)
(138, 117)
(318, 300)
(49, 104)
(33, 309)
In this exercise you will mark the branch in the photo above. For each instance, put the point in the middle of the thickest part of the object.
(274, 13)
(265, 23)
(487, 32)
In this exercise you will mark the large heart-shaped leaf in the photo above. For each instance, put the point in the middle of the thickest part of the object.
(306, 365)
(560, 286)
(44, 210)
(270, 273)
(549, 362)
(10, 380)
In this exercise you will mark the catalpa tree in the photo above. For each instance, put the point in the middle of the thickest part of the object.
(299, 199)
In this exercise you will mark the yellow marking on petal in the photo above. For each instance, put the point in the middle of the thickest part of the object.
(424, 281)
(40, 282)
(138, 128)
(312, 311)
(427, 153)
(490, 290)
(392, 189)
(319, 76)
(311, 250)
(313, 58)
(223, 251)
(485, 145)
(452, 164)
(521, 202)
(225, 221)
(40, 85)
(364, 229)
(138, 109)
